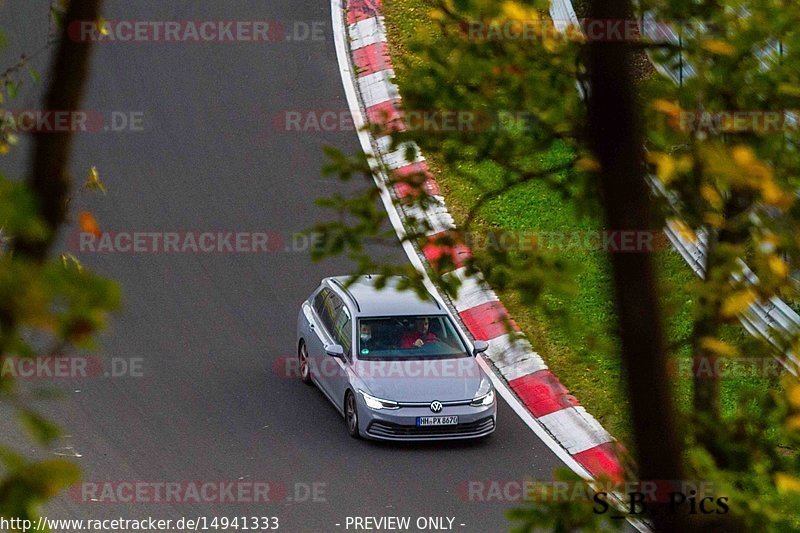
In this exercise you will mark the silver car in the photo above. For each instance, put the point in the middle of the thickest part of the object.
(394, 365)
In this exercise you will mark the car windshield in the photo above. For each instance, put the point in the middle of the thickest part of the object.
(401, 337)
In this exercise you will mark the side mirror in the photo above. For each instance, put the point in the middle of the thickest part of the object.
(335, 350)
(479, 347)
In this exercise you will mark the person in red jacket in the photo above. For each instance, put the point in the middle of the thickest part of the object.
(419, 335)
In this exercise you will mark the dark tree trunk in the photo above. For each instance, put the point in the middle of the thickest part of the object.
(707, 323)
(615, 134)
(49, 179)
(705, 399)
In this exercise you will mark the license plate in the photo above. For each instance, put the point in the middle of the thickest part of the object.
(437, 420)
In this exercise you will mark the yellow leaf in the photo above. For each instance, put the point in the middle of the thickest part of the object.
(67, 259)
(737, 302)
(711, 196)
(587, 164)
(666, 170)
(685, 164)
(718, 347)
(665, 106)
(519, 12)
(786, 483)
(93, 181)
(790, 89)
(4, 148)
(771, 192)
(794, 396)
(754, 173)
(685, 231)
(719, 47)
(793, 423)
(774, 195)
(102, 24)
(714, 219)
(778, 266)
(665, 165)
(436, 14)
(770, 239)
(743, 155)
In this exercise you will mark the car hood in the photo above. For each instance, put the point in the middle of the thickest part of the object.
(422, 380)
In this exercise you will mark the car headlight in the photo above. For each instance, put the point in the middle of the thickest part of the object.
(484, 400)
(376, 403)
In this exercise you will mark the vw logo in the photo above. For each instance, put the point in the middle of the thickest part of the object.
(436, 406)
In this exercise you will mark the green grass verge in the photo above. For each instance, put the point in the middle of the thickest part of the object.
(592, 374)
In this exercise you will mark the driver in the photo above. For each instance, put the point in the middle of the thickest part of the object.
(419, 335)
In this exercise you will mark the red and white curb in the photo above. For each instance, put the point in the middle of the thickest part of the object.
(519, 373)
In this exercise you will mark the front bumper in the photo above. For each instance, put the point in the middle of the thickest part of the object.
(401, 424)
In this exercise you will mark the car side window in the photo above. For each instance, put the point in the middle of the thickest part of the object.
(319, 300)
(333, 304)
(342, 329)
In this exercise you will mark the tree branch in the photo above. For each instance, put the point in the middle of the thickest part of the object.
(524, 178)
(49, 178)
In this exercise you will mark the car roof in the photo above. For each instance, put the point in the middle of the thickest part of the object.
(388, 301)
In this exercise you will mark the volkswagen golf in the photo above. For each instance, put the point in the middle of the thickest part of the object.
(394, 365)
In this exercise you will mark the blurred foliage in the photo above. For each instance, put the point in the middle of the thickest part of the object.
(46, 308)
(737, 182)
(554, 513)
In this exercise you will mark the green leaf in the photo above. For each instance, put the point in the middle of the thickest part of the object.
(33, 74)
(11, 89)
(41, 430)
(50, 476)
(11, 459)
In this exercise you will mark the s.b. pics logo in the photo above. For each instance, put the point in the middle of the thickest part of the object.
(686, 498)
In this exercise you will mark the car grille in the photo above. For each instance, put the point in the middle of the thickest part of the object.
(388, 429)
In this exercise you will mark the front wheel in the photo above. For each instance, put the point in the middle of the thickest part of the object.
(305, 369)
(351, 415)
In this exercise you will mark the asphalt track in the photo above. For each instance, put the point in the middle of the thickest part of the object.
(210, 327)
